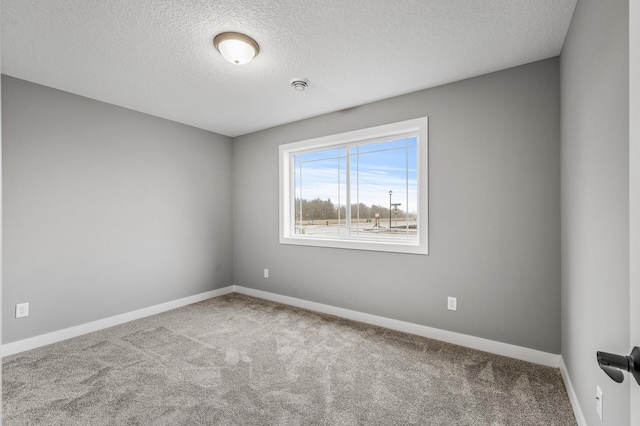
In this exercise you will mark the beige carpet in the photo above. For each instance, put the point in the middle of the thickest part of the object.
(236, 360)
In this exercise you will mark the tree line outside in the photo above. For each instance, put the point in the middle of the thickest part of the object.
(325, 210)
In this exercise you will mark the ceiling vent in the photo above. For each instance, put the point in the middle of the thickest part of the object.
(299, 84)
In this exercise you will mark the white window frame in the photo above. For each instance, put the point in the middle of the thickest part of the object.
(420, 126)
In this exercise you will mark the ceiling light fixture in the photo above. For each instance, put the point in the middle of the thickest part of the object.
(236, 48)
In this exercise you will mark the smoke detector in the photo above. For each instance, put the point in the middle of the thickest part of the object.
(300, 84)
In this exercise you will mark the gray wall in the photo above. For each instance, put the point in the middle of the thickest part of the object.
(595, 201)
(106, 210)
(494, 213)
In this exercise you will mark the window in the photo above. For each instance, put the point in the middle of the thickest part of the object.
(365, 189)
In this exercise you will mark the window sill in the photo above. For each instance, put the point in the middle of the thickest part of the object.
(393, 246)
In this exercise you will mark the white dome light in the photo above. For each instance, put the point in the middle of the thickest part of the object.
(236, 48)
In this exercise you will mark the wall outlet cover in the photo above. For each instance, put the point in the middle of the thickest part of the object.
(22, 310)
(452, 303)
(599, 402)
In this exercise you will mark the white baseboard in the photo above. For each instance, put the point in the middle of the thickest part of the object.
(577, 411)
(486, 345)
(67, 333)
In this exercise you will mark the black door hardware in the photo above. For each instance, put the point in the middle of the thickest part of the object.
(615, 365)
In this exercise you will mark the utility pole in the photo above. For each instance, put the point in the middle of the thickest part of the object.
(390, 192)
(391, 206)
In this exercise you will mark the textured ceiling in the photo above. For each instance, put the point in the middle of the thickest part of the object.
(157, 56)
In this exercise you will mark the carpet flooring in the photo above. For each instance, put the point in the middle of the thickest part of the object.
(237, 360)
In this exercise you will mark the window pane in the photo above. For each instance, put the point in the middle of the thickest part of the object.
(393, 144)
(379, 172)
(358, 210)
(377, 168)
(320, 189)
(320, 155)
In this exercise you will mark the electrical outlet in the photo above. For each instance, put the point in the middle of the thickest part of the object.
(452, 303)
(266, 273)
(599, 402)
(22, 310)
